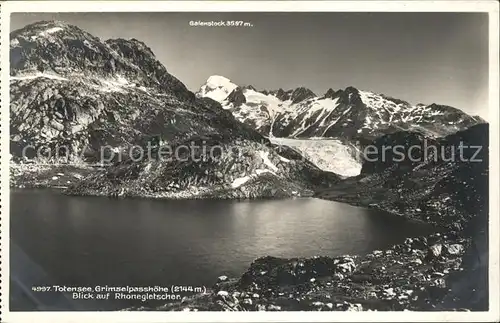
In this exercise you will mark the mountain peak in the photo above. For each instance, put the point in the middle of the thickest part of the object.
(300, 94)
(218, 80)
(351, 89)
(48, 30)
(331, 93)
(58, 48)
(217, 87)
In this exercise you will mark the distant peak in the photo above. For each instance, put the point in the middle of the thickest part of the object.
(300, 94)
(331, 93)
(221, 81)
(351, 89)
(249, 87)
(218, 79)
(280, 93)
(217, 87)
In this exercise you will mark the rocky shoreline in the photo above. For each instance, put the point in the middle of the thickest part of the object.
(37, 175)
(67, 177)
(416, 275)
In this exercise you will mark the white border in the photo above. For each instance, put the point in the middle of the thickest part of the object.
(192, 6)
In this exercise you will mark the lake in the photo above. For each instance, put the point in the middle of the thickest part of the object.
(88, 241)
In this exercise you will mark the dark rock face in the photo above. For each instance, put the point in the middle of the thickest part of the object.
(380, 159)
(281, 94)
(331, 94)
(249, 87)
(395, 279)
(300, 94)
(237, 97)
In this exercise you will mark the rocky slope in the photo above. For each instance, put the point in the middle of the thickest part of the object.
(78, 99)
(415, 275)
(70, 89)
(349, 114)
(221, 169)
(439, 186)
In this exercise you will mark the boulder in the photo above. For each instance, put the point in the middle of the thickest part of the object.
(454, 249)
(346, 265)
(417, 261)
(434, 251)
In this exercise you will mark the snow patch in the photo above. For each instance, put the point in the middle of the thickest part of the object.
(264, 155)
(117, 84)
(50, 31)
(263, 171)
(33, 76)
(283, 159)
(46, 32)
(121, 80)
(240, 181)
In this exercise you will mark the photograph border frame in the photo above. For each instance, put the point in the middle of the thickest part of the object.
(490, 7)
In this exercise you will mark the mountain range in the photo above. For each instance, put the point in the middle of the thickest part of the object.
(349, 114)
(70, 89)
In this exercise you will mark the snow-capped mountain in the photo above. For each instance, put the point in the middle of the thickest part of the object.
(249, 106)
(345, 114)
(73, 91)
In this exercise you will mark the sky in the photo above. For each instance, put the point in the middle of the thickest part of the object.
(418, 57)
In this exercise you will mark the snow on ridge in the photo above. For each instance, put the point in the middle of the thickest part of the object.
(37, 75)
(217, 88)
(50, 31)
(116, 84)
(237, 182)
(218, 80)
(271, 102)
(47, 32)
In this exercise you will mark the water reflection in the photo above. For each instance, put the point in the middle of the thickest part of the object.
(90, 240)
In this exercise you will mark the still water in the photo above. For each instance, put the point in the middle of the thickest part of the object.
(86, 241)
